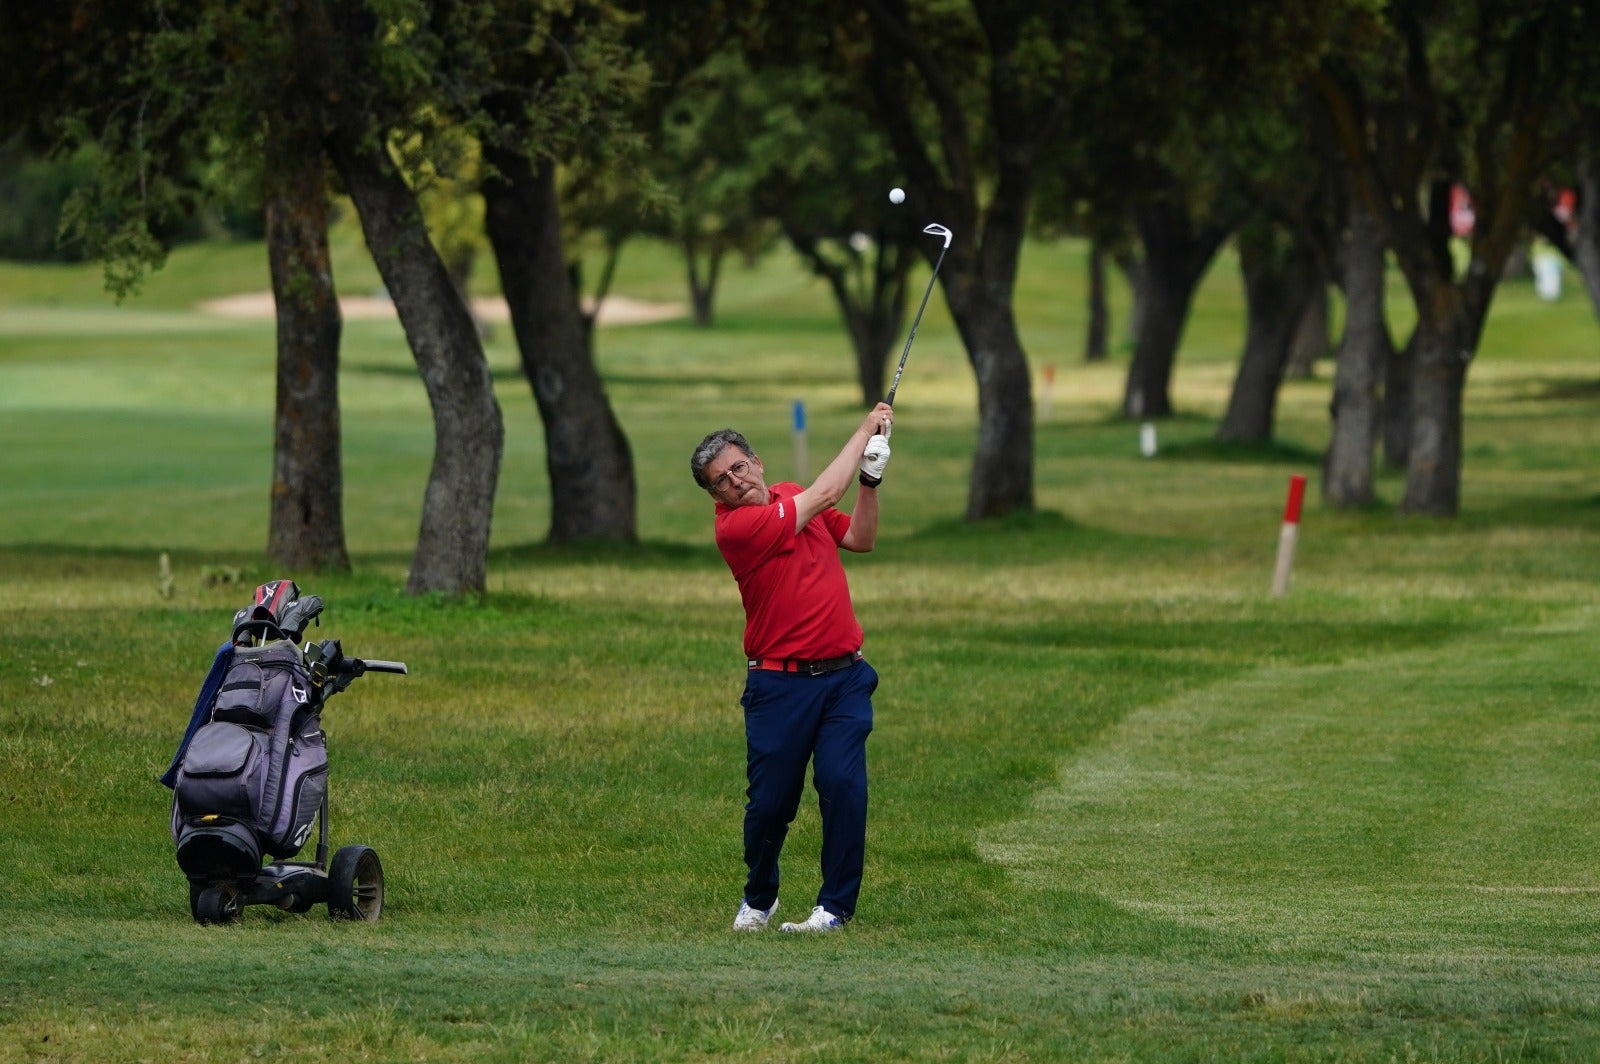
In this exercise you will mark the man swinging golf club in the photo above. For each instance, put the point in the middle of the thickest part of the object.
(808, 693)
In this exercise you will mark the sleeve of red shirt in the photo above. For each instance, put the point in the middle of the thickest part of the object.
(836, 522)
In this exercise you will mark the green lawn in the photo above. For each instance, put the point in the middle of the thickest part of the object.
(1126, 805)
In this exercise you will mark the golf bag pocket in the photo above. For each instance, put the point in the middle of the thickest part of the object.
(305, 781)
(223, 772)
(256, 688)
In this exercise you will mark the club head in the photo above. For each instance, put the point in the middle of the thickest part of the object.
(935, 229)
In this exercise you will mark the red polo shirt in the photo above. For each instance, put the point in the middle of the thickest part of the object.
(796, 601)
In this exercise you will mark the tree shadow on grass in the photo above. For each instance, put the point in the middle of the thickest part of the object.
(1272, 452)
(1027, 538)
(1559, 389)
(407, 371)
(1116, 419)
(645, 554)
(1543, 511)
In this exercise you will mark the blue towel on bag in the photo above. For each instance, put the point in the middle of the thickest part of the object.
(202, 709)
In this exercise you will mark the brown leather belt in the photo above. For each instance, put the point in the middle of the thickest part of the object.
(810, 668)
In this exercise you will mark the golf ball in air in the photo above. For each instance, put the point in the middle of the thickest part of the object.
(897, 195)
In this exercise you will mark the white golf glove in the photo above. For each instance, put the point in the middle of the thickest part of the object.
(874, 460)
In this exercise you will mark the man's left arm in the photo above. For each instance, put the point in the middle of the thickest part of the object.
(863, 532)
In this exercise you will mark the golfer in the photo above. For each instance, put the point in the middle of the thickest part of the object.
(808, 692)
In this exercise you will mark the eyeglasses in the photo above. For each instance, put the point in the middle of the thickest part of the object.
(738, 469)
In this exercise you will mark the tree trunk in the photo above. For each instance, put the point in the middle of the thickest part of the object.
(459, 265)
(1094, 348)
(1278, 281)
(1433, 464)
(1176, 254)
(1397, 404)
(702, 286)
(334, 42)
(1586, 240)
(469, 436)
(1136, 275)
(873, 331)
(592, 488)
(306, 522)
(1002, 469)
(873, 326)
(978, 279)
(1309, 345)
(1438, 380)
(1364, 351)
(1450, 317)
(1520, 262)
(873, 310)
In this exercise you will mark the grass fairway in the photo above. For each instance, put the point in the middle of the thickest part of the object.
(1126, 805)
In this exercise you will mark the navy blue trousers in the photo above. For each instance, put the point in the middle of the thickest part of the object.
(791, 719)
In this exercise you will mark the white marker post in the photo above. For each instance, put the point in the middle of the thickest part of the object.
(1147, 430)
(801, 467)
(1288, 535)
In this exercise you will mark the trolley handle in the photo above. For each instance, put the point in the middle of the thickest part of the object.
(332, 672)
(377, 665)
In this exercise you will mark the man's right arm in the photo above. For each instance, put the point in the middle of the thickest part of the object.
(834, 481)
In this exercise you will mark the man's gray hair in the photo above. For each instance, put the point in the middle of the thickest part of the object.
(710, 447)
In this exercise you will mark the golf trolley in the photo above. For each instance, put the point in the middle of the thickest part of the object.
(251, 774)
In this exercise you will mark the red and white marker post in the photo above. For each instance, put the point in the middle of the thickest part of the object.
(1288, 535)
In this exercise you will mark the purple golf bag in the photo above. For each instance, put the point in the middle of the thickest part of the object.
(253, 778)
(250, 778)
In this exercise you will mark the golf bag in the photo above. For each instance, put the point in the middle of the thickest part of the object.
(261, 762)
(251, 775)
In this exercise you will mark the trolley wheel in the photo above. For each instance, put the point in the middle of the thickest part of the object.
(355, 884)
(215, 904)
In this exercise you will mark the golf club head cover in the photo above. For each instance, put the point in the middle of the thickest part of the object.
(874, 460)
(299, 613)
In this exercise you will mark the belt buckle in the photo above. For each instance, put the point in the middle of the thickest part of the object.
(816, 668)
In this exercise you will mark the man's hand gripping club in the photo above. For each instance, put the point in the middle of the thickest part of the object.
(834, 481)
(875, 459)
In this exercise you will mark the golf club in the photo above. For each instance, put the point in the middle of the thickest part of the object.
(937, 230)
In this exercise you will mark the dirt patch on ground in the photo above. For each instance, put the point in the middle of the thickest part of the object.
(616, 310)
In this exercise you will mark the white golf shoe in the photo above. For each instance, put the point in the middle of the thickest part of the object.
(752, 919)
(819, 920)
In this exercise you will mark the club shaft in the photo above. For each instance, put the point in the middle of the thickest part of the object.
(914, 323)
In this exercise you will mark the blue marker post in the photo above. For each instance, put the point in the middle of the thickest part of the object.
(801, 472)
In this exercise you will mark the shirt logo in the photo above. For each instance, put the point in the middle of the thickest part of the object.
(780, 511)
